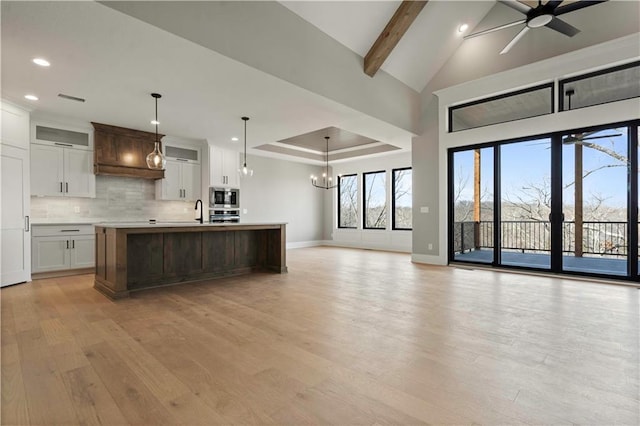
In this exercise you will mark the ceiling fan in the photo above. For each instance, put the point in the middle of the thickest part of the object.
(543, 15)
(578, 138)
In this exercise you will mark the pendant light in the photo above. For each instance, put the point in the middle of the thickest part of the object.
(244, 171)
(156, 159)
(327, 181)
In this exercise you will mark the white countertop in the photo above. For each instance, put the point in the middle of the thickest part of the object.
(179, 224)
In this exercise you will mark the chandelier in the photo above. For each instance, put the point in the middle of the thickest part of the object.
(326, 180)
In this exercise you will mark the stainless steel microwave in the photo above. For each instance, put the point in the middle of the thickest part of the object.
(224, 198)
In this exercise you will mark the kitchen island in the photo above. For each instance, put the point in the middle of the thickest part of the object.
(136, 256)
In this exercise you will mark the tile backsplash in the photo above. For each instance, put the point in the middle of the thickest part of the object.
(117, 199)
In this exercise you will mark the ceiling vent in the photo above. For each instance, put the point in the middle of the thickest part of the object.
(71, 98)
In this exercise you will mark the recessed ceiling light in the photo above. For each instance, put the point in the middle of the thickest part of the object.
(31, 97)
(41, 62)
(154, 122)
(462, 28)
(234, 139)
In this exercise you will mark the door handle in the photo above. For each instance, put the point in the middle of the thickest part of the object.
(66, 186)
(61, 187)
(26, 224)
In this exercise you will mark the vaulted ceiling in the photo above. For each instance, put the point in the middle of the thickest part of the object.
(295, 68)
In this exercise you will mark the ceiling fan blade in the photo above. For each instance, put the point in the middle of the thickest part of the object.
(490, 30)
(515, 4)
(553, 3)
(562, 27)
(561, 10)
(515, 40)
(575, 139)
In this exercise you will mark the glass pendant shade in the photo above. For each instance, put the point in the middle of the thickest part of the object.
(156, 159)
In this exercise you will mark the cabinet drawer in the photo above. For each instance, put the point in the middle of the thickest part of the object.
(62, 230)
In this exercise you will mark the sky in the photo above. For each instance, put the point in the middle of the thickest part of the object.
(529, 162)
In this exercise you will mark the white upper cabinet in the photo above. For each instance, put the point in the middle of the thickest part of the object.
(182, 174)
(15, 126)
(61, 162)
(47, 171)
(63, 136)
(78, 173)
(61, 172)
(223, 167)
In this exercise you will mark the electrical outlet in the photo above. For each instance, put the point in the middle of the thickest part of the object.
(245, 211)
(76, 209)
(430, 246)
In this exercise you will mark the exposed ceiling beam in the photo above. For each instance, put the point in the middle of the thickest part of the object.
(391, 35)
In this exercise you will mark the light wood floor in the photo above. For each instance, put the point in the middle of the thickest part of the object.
(347, 337)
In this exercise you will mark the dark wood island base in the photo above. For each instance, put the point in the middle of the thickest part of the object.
(132, 257)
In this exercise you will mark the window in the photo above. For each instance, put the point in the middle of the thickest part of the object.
(375, 200)
(402, 204)
(600, 87)
(348, 201)
(530, 102)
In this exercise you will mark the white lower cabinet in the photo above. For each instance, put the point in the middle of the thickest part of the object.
(62, 247)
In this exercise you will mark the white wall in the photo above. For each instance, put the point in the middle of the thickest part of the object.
(398, 240)
(280, 191)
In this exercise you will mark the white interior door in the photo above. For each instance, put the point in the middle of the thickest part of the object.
(15, 264)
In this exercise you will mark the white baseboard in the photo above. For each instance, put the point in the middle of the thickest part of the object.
(362, 245)
(303, 244)
(427, 259)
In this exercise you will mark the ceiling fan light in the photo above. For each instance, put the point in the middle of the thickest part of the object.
(539, 21)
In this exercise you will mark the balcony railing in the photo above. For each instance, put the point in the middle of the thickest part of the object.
(599, 238)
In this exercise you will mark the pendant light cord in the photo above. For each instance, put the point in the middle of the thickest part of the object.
(245, 140)
(326, 138)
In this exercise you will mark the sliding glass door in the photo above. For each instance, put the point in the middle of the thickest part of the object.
(525, 203)
(595, 172)
(473, 205)
(566, 202)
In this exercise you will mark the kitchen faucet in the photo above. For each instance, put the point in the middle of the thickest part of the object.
(196, 208)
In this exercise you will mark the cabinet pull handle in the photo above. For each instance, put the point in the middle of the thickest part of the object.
(26, 224)
(181, 159)
(73, 244)
(69, 230)
(62, 144)
(61, 187)
(66, 185)
(67, 244)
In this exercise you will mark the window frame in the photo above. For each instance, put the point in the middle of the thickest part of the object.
(393, 199)
(451, 109)
(364, 200)
(562, 83)
(340, 226)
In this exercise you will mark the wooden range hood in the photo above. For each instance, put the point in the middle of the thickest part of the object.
(119, 151)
